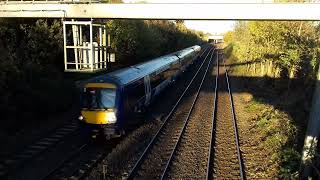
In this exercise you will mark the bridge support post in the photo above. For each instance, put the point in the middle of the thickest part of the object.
(64, 47)
(312, 133)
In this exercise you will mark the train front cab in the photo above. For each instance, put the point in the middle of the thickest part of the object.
(100, 106)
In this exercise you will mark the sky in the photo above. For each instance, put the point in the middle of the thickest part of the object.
(213, 27)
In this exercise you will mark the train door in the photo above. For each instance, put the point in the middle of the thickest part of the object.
(147, 89)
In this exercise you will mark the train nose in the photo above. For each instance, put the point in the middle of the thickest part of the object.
(98, 116)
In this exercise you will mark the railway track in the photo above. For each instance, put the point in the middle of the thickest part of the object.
(190, 158)
(20, 158)
(224, 160)
(199, 138)
(79, 164)
(154, 161)
(72, 158)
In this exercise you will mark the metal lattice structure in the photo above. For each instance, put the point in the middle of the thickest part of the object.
(85, 46)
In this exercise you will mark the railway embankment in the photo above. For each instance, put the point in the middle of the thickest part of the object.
(271, 125)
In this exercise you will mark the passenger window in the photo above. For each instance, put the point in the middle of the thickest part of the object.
(135, 92)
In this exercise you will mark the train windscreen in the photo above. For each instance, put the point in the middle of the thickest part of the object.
(98, 98)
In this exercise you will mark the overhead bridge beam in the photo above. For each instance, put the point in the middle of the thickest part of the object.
(56, 9)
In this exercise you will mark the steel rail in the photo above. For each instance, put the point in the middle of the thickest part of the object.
(206, 48)
(213, 121)
(23, 162)
(95, 163)
(134, 170)
(236, 132)
(186, 121)
(76, 152)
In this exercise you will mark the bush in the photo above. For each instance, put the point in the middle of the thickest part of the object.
(278, 134)
(33, 84)
(138, 40)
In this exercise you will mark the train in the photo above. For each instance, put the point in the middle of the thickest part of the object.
(109, 102)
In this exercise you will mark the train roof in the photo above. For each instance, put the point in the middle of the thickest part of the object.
(132, 73)
(138, 71)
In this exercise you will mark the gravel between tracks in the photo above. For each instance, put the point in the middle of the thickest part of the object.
(225, 162)
(191, 158)
(155, 161)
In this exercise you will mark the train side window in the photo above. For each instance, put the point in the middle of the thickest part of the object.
(171, 70)
(156, 80)
(135, 92)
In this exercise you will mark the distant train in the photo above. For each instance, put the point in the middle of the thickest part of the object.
(108, 102)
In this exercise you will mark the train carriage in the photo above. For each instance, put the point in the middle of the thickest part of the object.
(108, 102)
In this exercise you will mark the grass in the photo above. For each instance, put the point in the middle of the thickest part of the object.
(279, 119)
(253, 106)
(277, 134)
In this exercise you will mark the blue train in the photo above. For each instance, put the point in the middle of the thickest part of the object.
(108, 102)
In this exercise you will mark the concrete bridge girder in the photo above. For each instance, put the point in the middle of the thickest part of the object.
(56, 9)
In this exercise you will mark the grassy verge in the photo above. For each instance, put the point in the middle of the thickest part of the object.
(277, 133)
(278, 122)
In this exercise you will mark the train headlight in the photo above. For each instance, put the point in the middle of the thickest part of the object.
(81, 118)
(111, 117)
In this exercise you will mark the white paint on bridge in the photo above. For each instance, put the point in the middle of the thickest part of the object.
(221, 11)
(218, 37)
